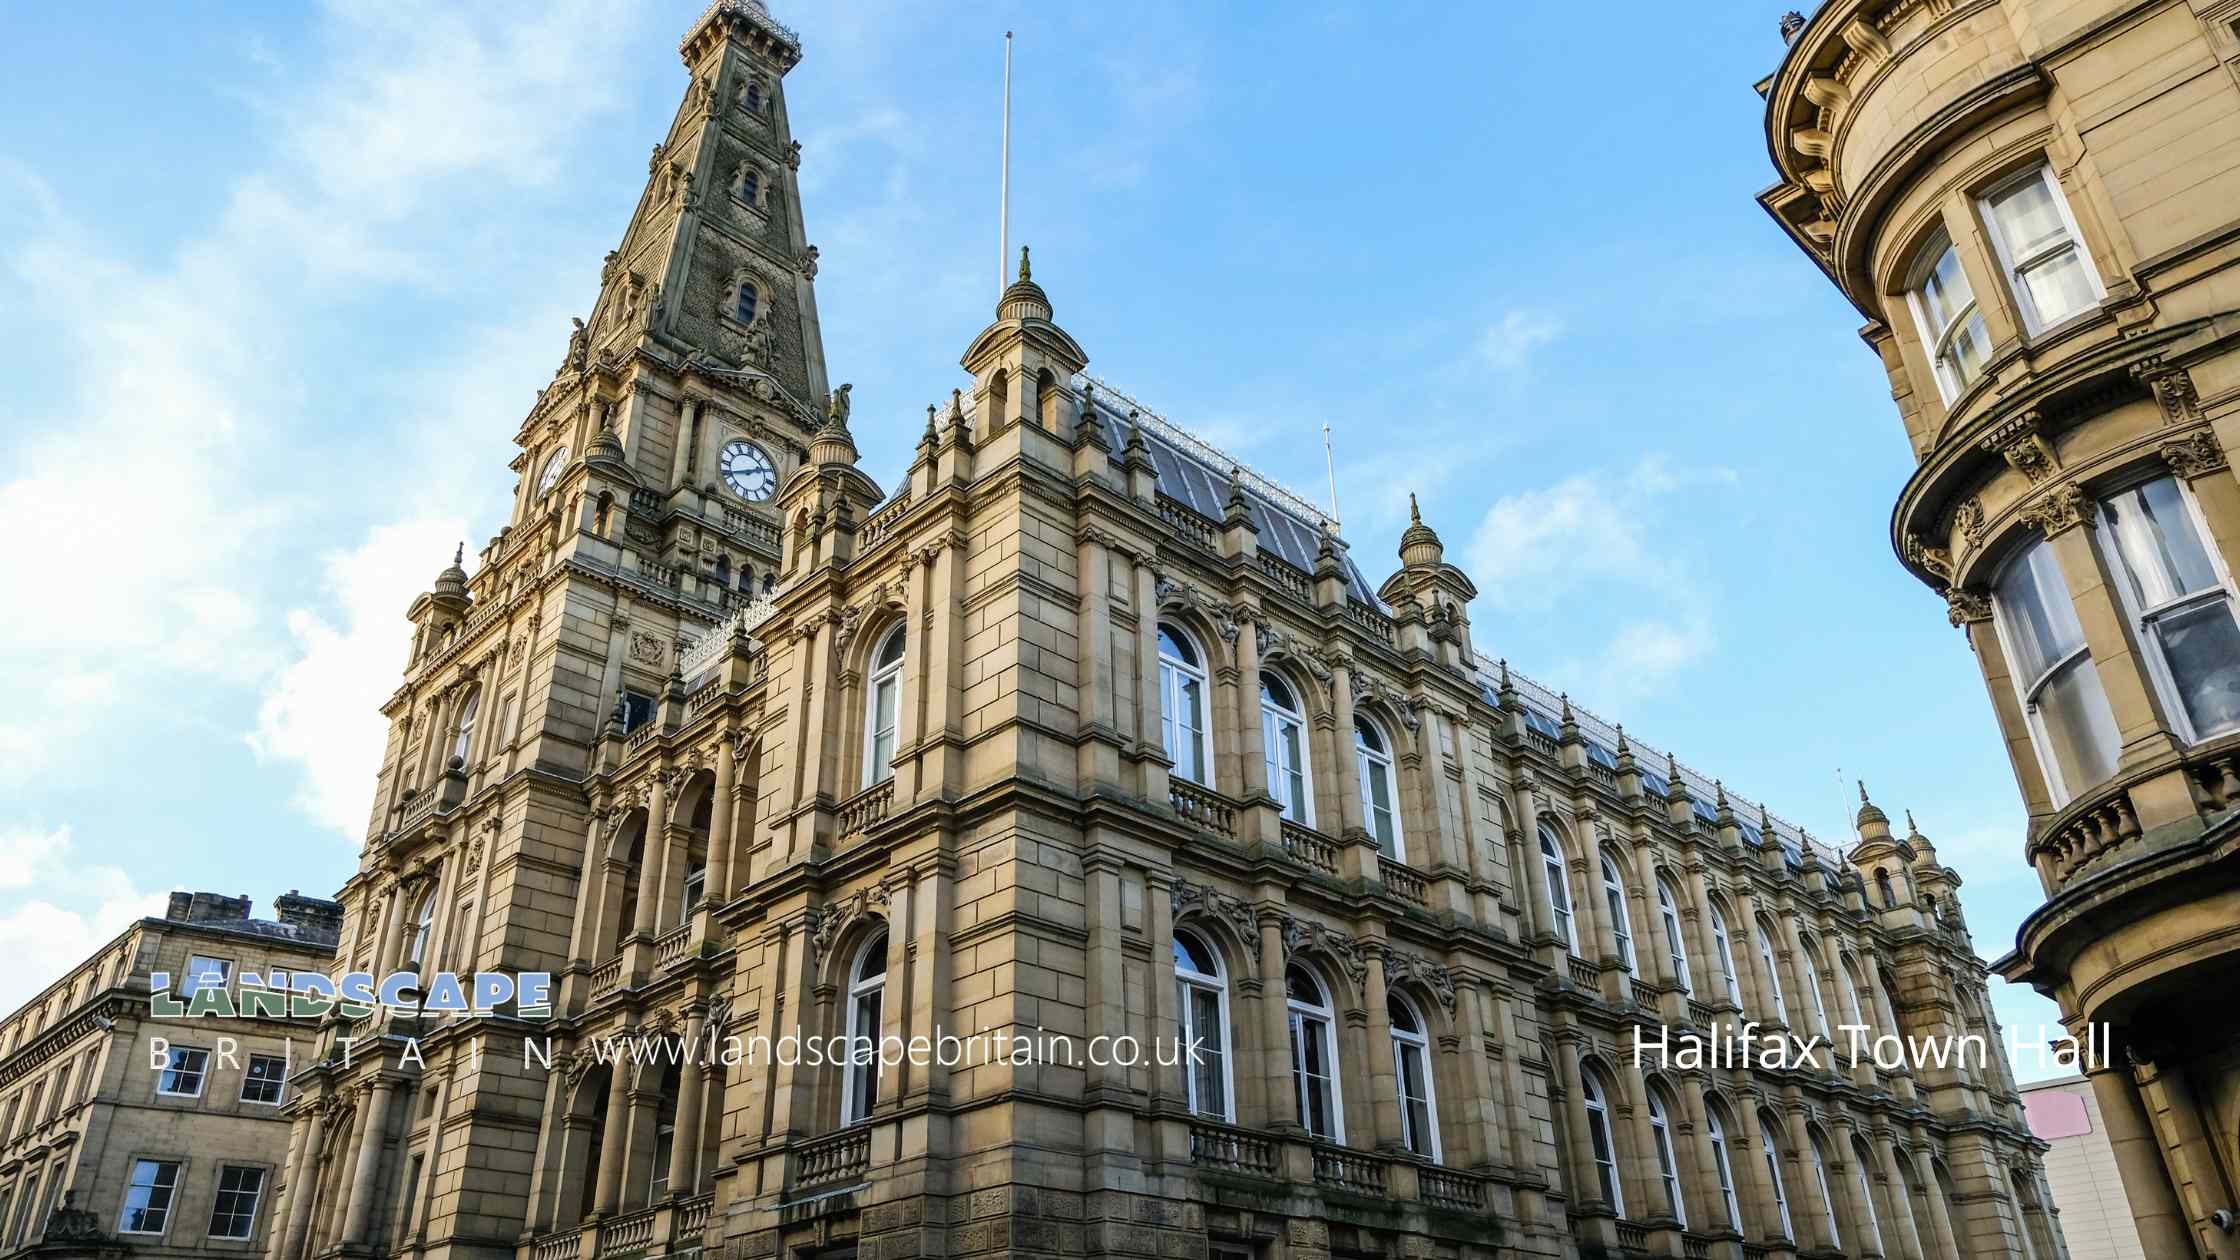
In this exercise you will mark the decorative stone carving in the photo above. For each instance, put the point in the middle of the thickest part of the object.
(1936, 560)
(2058, 509)
(1174, 591)
(2172, 388)
(807, 263)
(1969, 517)
(1305, 936)
(2019, 443)
(2194, 454)
(1221, 907)
(647, 649)
(1400, 966)
(827, 923)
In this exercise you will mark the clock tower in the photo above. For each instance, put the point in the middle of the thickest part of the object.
(644, 517)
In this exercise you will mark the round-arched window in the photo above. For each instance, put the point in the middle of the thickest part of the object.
(1411, 1062)
(1205, 1025)
(1380, 789)
(867, 989)
(1283, 744)
(1182, 705)
(1676, 952)
(1559, 895)
(883, 708)
(1314, 1056)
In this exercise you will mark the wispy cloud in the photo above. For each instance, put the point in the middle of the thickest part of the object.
(1510, 342)
(69, 906)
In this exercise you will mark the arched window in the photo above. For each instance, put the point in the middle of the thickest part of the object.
(867, 988)
(883, 709)
(1600, 1139)
(750, 185)
(1722, 1163)
(1773, 973)
(1380, 795)
(664, 1132)
(754, 97)
(1182, 705)
(462, 735)
(1771, 1149)
(723, 571)
(2025, 1207)
(1205, 1025)
(1668, 912)
(2071, 726)
(1808, 954)
(1411, 1063)
(1559, 896)
(1944, 307)
(746, 578)
(1827, 1192)
(423, 926)
(748, 301)
(1314, 1057)
(1668, 1165)
(1614, 895)
(1883, 889)
(1724, 945)
(1283, 743)
(1860, 1161)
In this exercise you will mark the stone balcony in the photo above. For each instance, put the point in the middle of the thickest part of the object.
(674, 1226)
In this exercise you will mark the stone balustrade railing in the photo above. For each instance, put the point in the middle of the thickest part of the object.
(1203, 806)
(690, 1222)
(842, 1157)
(1311, 847)
(672, 945)
(1442, 1188)
(858, 812)
(565, 1245)
(1237, 1150)
(630, 1235)
(1344, 1169)
(1379, 626)
(1188, 523)
(607, 976)
(1402, 881)
(1283, 574)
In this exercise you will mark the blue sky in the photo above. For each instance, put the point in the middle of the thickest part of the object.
(282, 284)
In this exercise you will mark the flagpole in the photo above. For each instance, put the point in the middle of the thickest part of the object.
(1003, 213)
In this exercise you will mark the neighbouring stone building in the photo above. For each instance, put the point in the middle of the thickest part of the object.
(2035, 205)
(102, 1151)
(1080, 731)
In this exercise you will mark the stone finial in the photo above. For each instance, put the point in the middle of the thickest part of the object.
(931, 410)
(1872, 823)
(1419, 543)
(1026, 272)
(1791, 23)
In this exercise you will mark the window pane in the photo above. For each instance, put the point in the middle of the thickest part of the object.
(1205, 1025)
(2059, 287)
(2034, 608)
(2161, 552)
(2028, 217)
(1945, 291)
(2202, 647)
(2075, 716)
(1964, 357)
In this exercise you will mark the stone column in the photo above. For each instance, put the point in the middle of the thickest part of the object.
(1648, 1171)
(1383, 1073)
(1244, 715)
(1586, 1185)
(590, 887)
(718, 890)
(1940, 1217)
(2146, 1184)
(1531, 1203)
(1817, 1210)
(1857, 1188)
(1752, 1184)
(680, 462)
(1595, 941)
(385, 944)
(684, 1142)
(1149, 732)
(652, 869)
(1704, 1183)
(2192, 1164)
(371, 1138)
(1900, 1196)
(1275, 1029)
(611, 1142)
(1695, 921)
(1482, 1113)
(301, 1177)
(1743, 939)
(1537, 915)
(1351, 814)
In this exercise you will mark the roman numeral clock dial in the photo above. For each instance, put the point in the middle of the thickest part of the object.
(748, 471)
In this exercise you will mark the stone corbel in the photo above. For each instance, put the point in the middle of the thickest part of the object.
(2194, 455)
(2057, 510)
(2172, 388)
(2019, 442)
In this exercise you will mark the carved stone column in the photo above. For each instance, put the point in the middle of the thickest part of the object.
(301, 1175)
(1900, 1195)
(684, 1141)
(2146, 1183)
(372, 1136)
(1384, 1080)
(613, 1140)
(718, 890)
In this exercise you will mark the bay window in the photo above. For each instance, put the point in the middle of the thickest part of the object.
(2179, 601)
(2040, 249)
(2070, 723)
(1944, 308)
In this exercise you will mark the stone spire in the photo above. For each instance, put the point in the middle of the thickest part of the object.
(1023, 299)
(451, 584)
(1873, 824)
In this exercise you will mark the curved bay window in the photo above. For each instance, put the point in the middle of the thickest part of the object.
(1668, 913)
(1314, 1056)
(1601, 1140)
(2040, 249)
(1724, 945)
(1944, 308)
(1182, 705)
(1559, 895)
(2179, 599)
(1770, 1147)
(1204, 1005)
(2071, 726)
(1722, 1164)
(1773, 972)
(1380, 795)
(1411, 1063)
(1283, 744)
(1621, 930)
(867, 991)
(883, 709)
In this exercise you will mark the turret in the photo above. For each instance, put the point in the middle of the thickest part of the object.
(1439, 593)
(1023, 366)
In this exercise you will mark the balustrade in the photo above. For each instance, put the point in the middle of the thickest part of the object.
(1342, 1169)
(1403, 882)
(1237, 1150)
(841, 1157)
(671, 945)
(1585, 974)
(858, 812)
(630, 1235)
(607, 976)
(1310, 847)
(565, 1245)
(1378, 625)
(1189, 524)
(1442, 1188)
(690, 1223)
(1633, 1236)
(1292, 579)
(1202, 806)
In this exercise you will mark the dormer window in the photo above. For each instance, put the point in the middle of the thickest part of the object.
(1951, 327)
(2040, 249)
(747, 302)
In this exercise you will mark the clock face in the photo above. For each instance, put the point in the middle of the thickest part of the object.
(748, 471)
(552, 469)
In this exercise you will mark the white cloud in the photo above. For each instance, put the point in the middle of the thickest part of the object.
(322, 710)
(78, 906)
(1508, 343)
(160, 464)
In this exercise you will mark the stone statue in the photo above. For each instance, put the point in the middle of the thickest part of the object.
(579, 345)
(757, 343)
(837, 409)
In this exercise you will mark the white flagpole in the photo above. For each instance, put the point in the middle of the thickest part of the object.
(1003, 214)
(1330, 461)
